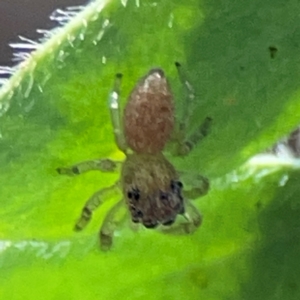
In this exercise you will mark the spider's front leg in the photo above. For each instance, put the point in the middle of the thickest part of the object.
(104, 165)
(186, 143)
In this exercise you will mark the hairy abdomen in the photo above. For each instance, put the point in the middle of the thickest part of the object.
(149, 114)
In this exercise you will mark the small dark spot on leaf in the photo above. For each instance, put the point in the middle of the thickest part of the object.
(273, 50)
(177, 64)
(258, 205)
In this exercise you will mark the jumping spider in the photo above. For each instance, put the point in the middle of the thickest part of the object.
(152, 191)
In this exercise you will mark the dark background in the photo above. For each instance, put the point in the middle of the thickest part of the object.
(24, 17)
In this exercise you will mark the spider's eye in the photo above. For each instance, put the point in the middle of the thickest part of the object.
(139, 214)
(176, 184)
(173, 185)
(134, 194)
(163, 196)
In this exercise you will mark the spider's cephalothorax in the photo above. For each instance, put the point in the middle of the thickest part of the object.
(152, 191)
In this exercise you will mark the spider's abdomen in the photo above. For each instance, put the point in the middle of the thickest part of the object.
(149, 114)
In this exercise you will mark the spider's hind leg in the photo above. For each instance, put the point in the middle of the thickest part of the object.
(186, 143)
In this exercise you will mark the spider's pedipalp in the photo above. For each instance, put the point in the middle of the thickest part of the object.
(188, 223)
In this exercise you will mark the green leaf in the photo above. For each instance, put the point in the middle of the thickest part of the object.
(54, 113)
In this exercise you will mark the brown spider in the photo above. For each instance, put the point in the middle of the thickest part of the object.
(152, 191)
